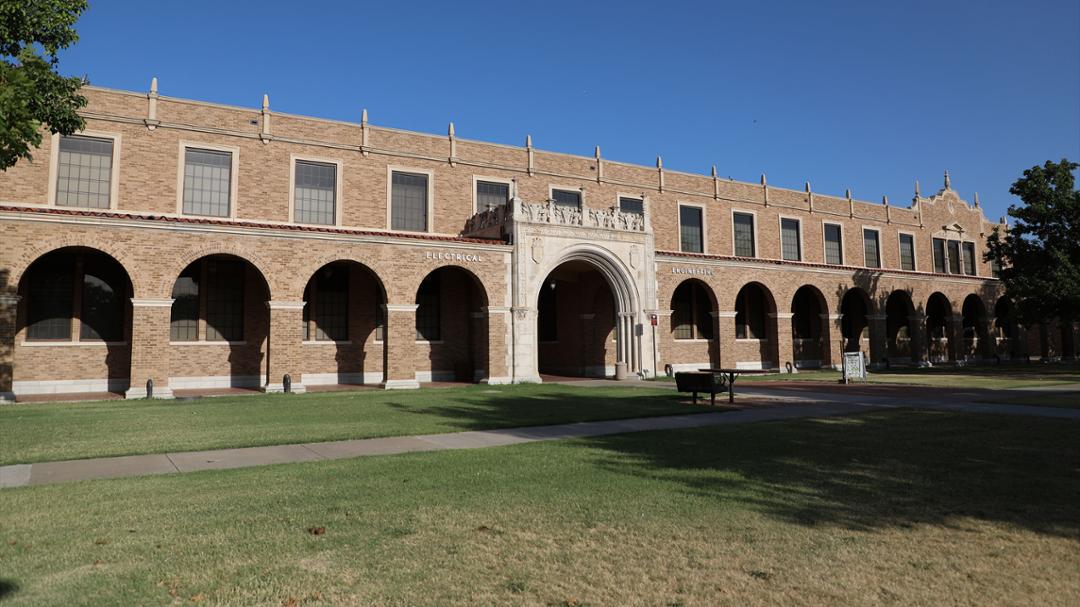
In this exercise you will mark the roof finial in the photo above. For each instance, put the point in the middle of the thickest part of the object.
(885, 200)
(153, 85)
(597, 151)
(266, 101)
(847, 193)
(976, 200)
(763, 179)
(714, 171)
(363, 116)
(528, 141)
(659, 162)
(450, 130)
(808, 186)
(917, 194)
(948, 182)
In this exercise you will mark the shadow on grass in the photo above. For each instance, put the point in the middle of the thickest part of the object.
(7, 588)
(876, 470)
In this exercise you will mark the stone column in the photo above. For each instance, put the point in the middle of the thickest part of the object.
(400, 347)
(917, 330)
(785, 343)
(283, 349)
(725, 339)
(624, 337)
(150, 348)
(834, 339)
(525, 355)
(9, 306)
(879, 346)
(499, 345)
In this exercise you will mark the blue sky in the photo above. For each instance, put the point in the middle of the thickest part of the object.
(863, 95)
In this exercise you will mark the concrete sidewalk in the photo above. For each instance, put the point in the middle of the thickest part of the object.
(45, 473)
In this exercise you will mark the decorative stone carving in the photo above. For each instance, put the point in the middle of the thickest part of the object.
(537, 250)
(555, 214)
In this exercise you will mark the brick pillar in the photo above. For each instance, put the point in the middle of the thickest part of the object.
(917, 330)
(9, 305)
(725, 339)
(834, 339)
(498, 337)
(283, 350)
(400, 347)
(150, 347)
(879, 347)
(785, 343)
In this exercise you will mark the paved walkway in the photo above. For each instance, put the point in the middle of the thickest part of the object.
(792, 402)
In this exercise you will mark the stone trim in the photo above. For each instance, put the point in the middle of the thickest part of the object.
(152, 303)
(401, 307)
(285, 305)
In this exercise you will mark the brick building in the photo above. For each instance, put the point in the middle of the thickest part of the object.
(202, 246)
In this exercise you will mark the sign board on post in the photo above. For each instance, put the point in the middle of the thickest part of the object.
(854, 367)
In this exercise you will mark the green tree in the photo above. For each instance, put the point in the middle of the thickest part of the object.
(32, 93)
(1039, 255)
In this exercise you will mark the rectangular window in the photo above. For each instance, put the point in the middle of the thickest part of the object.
(428, 310)
(871, 249)
(939, 255)
(632, 205)
(409, 202)
(790, 247)
(315, 193)
(969, 258)
(744, 234)
(954, 257)
(907, 252)
(52, 291)
(691, 230)
(184, 322)
(491, 195)
(207, 182)
(224, 301)
(567, 198)
(834, 247)
(995, 268)
(84, 172)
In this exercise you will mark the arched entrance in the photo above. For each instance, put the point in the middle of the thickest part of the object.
(854, 310)
(938, 317)
(575, 322)
(809, 315)
(451, 326)
(974, 326)
(218, 325)
(899, 313)
(344, 323)
(73, 295)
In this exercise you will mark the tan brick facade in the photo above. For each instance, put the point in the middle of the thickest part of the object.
(495, 263)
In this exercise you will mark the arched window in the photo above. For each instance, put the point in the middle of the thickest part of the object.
(64, 281)
(211, 289)
(750, 313)
(691, 312)
(326, 315)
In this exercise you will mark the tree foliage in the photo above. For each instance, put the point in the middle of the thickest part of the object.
(1040, 254)
(32, 93)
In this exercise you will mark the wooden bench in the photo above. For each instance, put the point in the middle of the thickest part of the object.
(701, 381)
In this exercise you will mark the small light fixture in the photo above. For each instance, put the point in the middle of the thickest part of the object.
(552, 285)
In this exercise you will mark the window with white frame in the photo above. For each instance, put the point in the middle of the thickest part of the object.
(491, 195)
(871, 248)
(631, 205)
(691, 229)
(315, 192)
(409, 201)
(744, 234)
(567, 198)
(790, 245)
(84, 172)
(207, 182)
(907, 252)
(834, 244)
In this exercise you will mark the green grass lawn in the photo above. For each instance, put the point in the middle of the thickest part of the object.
(42, 432)
(981, 376)
(897, 507)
